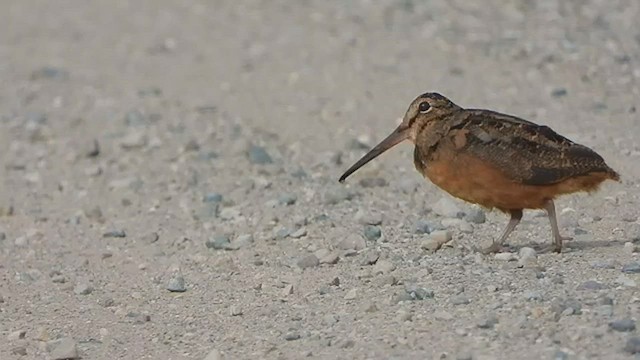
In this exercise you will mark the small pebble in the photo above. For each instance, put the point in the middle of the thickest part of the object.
(632, 345)
(631, 268)
(239, 242)
(287, 199)
(559, 92)
(63, 349)
(591, 285)
(419, 293)
(177, 284)
(218, 242)
(372, 232)
(423, 227)
(630, 247)
(488, 322)
(115, 234)
(352, 242)
(371, 257)
(308, 261)
(291, 336)
(283, 233)
(301, 232)
(476, 216)
(235, 311)
(258, 155)
(460, 300)
(441, 236)
(351, 294)
(83, 289)
(384, 267)
(331, 259)
(560, 355)
(623, 325)
(533, 296)
(287, 290)
(506, 256)
(17, 335)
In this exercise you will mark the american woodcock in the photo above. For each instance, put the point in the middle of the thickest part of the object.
(494, 160)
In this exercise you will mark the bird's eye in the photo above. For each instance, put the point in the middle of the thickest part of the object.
(424, 107)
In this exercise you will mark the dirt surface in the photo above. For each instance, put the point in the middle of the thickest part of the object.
(148, 143)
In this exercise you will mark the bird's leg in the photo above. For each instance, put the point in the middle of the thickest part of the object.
(516, 216)
(557, 238)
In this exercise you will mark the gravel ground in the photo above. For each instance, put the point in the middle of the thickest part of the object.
(169, 181)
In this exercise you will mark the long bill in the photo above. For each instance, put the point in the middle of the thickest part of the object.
(397, 136)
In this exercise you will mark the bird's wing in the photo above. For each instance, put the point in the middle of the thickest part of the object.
(526, 152)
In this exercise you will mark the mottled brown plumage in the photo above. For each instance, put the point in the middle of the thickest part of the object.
(494, 160)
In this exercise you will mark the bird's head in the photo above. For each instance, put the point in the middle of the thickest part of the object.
(424, 109)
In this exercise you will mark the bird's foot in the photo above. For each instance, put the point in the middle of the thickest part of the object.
(554, 248)
(491, 249)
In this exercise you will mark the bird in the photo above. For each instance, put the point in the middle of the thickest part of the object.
(495, 160)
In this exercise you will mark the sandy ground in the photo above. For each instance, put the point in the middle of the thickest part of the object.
(145, 143)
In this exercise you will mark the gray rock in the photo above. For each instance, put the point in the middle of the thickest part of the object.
(423, 227)
(591, 285)
(134, 140)
(401, 297)
(308, 261)
(430, 245)
(384, 267)
(441, 236)
(447, 207)
(559, 92)
(115, 234)
(604, 264)
(177, 284)
(623, 325)
(283, 233)
(372, 232)
(218, 242)
(632, 345)
(241, 241)
(351, 294)
(418, 293)
(371, 257)
(83, 289)
(64, 349)
(476, 216)
(301, 232)
(526, 252)
(460, 300)
(258, 155)
(560, 355)
(506, 256)
(287, 199)
(487, 322)
(212, 198)
(352, 242)
(291, 336)
(331, 259)
(631, 268)
(533, 296)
